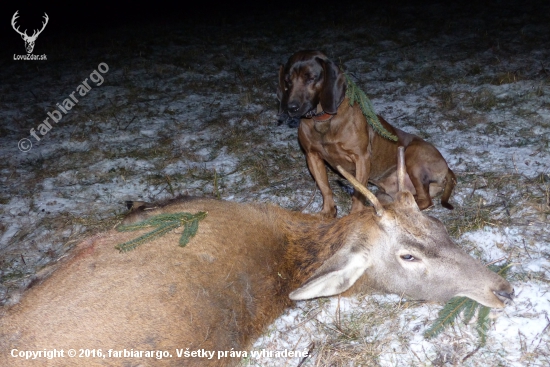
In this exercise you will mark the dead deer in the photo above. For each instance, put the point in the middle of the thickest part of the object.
(247, 263)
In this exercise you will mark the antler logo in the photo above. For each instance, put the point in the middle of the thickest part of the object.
(29, 40)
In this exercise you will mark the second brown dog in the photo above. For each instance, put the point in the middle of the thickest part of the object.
(314, 88)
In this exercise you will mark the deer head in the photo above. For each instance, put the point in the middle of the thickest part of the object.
(29, 40)
(404, 252)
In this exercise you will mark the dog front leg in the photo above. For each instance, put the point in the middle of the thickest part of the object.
(362, 172)
(318, 170)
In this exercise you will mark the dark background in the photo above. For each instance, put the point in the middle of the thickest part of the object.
(72, 19)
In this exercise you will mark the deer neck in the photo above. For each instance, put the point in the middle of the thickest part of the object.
(310, 242)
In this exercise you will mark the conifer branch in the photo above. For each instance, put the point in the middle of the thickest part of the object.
(447, 316)
(154, 234)
(355, 94)
(164, 223)
(483, 323)
(469, 312)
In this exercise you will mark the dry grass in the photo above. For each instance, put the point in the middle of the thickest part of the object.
(359, 337)
(497, 199)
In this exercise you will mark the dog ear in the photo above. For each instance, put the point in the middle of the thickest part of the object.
(280, 87)
(334, 86)
(281, 95)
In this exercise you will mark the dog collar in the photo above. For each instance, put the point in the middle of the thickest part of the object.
(322, 117)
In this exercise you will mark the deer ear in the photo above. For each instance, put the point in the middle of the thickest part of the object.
(334, 86)
(336, 275)
(406, 198)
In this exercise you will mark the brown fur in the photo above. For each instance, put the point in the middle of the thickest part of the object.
(309, 83)
(232, 280)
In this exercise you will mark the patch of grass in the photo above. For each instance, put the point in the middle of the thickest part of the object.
(255, 167)
(474, 69)
(3, 200)
(506, 78)
(161, 150)
(458, 150)
(493, 128)
(10, 276)
(448, 99)
(469, 218)
(358, 337)
(483, 100)
(197, 173)
(497, 199)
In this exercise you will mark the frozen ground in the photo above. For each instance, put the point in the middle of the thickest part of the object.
(191, 108)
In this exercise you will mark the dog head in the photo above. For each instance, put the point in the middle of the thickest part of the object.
(307, 79)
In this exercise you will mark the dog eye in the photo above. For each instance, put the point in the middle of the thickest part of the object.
(408, 257)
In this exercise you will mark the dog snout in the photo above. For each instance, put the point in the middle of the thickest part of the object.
(293, 107)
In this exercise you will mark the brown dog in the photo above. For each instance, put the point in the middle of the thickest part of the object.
(314, 88)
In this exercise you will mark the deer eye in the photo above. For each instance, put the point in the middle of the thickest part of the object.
(408, 257)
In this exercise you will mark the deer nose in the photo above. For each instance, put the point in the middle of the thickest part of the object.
(505, 297)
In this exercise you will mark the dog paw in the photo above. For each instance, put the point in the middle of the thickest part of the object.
(424, 204)
(292, 122)
(327, 214)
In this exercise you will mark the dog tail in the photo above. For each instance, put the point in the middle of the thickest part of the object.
(450, 183)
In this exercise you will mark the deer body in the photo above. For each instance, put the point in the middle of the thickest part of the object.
(243, 268)
(230, 282)
(214, 294)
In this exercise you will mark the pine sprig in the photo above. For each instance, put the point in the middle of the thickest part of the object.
(154, 234)
(447, 315)
(355, 94)
(469, 312)
(164, 223)
(483, 323)
(189, 231)
(467, 307)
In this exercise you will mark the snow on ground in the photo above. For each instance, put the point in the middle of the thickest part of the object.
(191, 108)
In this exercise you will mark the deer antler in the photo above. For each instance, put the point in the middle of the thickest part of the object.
(363, 190)
(43, 26)
(401, 169)
(24, 34)
(13, 19)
